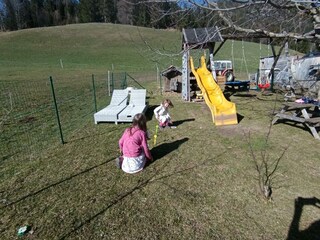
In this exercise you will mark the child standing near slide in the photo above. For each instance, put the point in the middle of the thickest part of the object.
(134, 147)
(161, 113)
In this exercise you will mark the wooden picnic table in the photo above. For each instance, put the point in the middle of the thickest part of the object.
(307, 114)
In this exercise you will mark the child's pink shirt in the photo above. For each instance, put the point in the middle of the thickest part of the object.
(133, 145)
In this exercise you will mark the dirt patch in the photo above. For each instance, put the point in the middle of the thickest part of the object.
(28, 119)
(237, 130)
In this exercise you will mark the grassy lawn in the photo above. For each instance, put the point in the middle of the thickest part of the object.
(202, 183)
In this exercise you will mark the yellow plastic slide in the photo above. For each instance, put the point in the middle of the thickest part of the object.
(223, 112)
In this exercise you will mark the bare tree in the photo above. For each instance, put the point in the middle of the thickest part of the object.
(291, 19)
(267, 169)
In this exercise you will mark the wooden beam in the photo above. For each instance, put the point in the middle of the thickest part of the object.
(220, 46)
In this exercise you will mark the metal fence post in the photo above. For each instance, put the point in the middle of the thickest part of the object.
(108, 83)
(161, 90)
(56, 108)
(124, 84)
(112, 81)
(94, 94)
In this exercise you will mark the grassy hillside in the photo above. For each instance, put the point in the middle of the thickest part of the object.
(91, 48)
(96, 48)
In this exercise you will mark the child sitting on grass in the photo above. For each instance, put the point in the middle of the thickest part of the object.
(161, 113)
(134, 147)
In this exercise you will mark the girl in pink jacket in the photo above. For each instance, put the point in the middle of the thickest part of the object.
(134, 147)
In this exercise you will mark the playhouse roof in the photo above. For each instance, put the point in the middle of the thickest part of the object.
(171, 72)
(200, 37)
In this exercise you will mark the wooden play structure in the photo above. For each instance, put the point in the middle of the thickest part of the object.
(223, 111)
(197, 38)
(210, 38)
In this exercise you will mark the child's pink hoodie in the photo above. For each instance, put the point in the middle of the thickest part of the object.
(133, 145)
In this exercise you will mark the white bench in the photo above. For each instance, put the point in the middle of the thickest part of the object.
(117, 104)
(137, 104)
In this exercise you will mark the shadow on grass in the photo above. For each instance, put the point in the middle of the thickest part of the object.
(313, 231)
(149, 112)
(259, 97)
(8, 156)
(56, 183)
(144, 183)
(296, 125)
(111, 204)
(246, 94)
(165, 148)
(95, 135)
(228, 95)
(239, 117)
(179, 122)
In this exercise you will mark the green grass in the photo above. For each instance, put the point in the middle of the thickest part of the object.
(202, 184)
(86, 48)
(95, 48)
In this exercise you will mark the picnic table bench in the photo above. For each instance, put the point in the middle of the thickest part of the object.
(307, 114)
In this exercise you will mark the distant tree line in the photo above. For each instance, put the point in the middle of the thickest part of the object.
(22, 14)
(269, 18)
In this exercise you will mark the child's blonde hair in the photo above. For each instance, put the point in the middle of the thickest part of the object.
(139, 120)
(167, 101)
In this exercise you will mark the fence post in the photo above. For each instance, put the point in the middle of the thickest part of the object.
(158, 74)
(112, 82)
(56, 108)
(159, 79)
(108, 83)
(161, 90)
(94, 94)
(124, 84)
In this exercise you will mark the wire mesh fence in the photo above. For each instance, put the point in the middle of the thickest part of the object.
(25, 107)
(36, 114)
